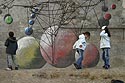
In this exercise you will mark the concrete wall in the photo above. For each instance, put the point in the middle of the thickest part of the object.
(116, 26)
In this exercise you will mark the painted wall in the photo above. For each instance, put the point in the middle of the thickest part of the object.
(117, 29)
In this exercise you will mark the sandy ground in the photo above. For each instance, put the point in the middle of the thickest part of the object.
(62, 75)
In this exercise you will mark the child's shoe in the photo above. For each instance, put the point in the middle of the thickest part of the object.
(16, 68)
(8, 69)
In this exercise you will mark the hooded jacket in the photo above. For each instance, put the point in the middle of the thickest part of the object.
(105, 40)
(80, 43)
(11, 45)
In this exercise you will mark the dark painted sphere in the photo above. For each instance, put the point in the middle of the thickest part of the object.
(33, 15)
(31, 22)
(28, 30)
(103, 22)
(104, 8)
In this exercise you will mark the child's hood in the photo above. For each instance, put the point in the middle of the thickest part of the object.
(81, 36)
(12, 39)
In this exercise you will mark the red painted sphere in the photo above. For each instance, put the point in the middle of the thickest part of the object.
(104, 8)
(56, 46)
(113, 6)
(91, 56)
(107, 16)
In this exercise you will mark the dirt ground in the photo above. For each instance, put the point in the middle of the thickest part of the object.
(62, 75)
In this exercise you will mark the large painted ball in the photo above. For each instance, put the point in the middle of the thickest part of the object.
(56, 46)
(91, 56)
(28, 53)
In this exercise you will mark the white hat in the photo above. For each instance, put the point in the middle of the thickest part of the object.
(103, 27)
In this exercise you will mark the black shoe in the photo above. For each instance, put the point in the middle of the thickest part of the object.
(79, 68)
(10, 67)
(106, 66)
(103, 66)
(109, 66)
(16, 68)
(76, 66)
(117, 81)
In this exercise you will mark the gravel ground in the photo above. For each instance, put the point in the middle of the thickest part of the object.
(62, 75)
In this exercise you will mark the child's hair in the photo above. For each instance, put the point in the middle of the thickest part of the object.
(11, 34)
(87, 33)
(107, 31)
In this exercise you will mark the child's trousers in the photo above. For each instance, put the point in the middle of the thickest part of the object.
(11, 60)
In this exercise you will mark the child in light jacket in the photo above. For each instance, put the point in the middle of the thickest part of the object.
(80, 46)
(105, 46)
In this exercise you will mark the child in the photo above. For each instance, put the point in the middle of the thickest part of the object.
(105, 46)
(11, 47)
(80, 46)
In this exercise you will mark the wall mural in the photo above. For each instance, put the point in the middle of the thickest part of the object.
(28, 53)
(61, 22)
(56, 47)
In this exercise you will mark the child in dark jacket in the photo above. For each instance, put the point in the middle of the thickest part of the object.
(11, 47)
